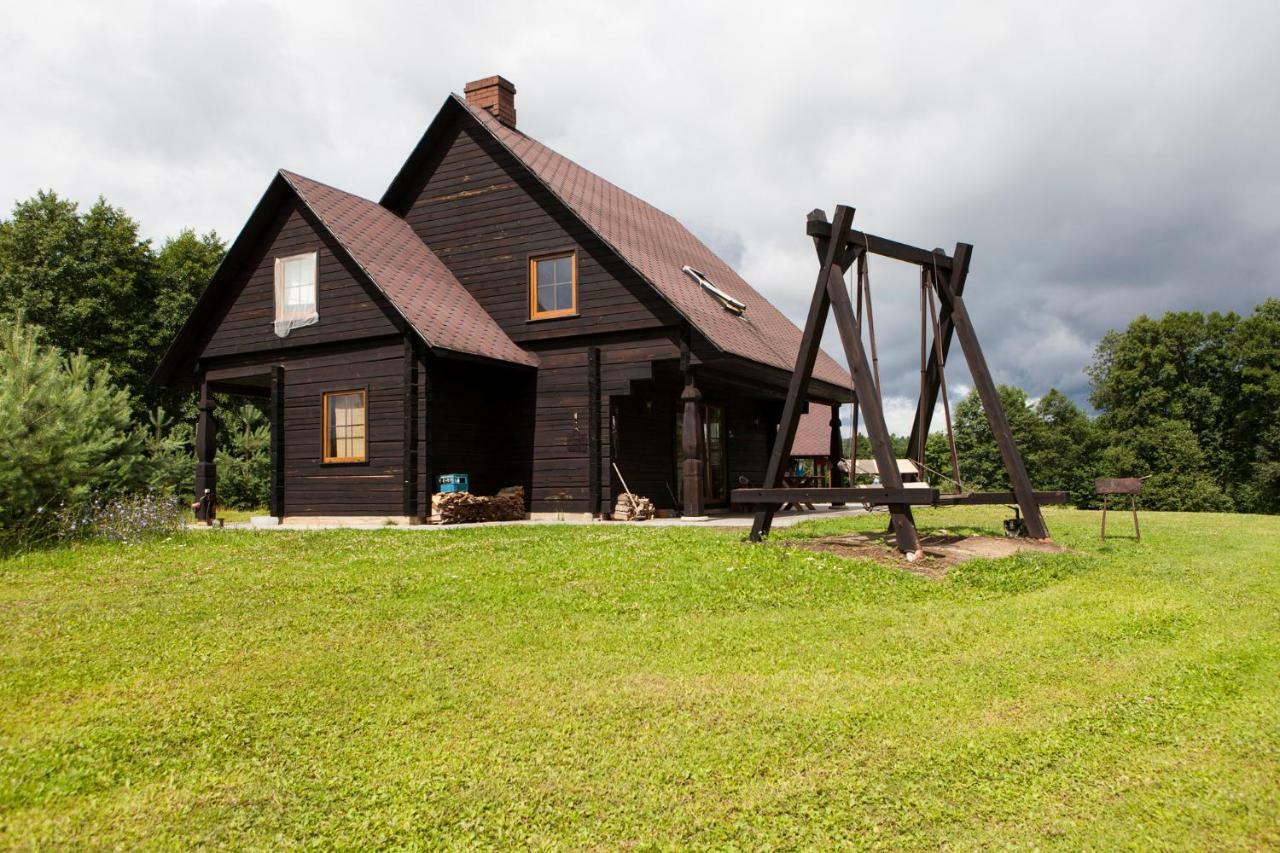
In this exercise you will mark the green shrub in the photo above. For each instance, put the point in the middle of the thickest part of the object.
(65, 434)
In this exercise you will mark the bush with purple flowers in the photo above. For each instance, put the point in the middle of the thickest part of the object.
(126, 519)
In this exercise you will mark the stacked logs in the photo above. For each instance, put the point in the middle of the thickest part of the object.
(466, 508)
(631, 507)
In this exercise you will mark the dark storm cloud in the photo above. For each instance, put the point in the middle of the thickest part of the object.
(1105, 160)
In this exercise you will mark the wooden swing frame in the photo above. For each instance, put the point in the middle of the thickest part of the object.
(838, 247)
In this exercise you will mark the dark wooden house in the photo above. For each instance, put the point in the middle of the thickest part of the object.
(500, 312)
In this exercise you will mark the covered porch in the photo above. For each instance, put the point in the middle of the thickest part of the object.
(689, 435)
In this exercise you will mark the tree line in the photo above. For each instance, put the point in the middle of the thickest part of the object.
(1189, 401)
(87, 307)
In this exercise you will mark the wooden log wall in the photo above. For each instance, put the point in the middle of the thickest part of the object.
(375, 487)
(484, 216)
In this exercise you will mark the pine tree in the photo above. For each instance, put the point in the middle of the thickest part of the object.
(65, 431)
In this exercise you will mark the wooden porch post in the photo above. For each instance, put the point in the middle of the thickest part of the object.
(691, 442)
(277, 441)
(594, 473)
(206, 446)
(410, 461)
(836, 452)
(427, 446)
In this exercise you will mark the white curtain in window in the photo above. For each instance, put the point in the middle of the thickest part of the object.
(295, 293)
(346, 426)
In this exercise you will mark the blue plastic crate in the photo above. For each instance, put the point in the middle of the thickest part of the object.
(453, 483)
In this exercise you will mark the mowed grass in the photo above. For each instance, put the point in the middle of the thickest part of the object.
(620, 685)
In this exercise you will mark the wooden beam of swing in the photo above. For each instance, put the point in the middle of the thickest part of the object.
(996, 418)
(806, 358)
(879, 496)
(858, 494)
(995, 498)
(904, 528)
(836, 254)
(883, 247)
(938, 352)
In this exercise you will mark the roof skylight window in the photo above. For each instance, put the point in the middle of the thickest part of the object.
(730, 304)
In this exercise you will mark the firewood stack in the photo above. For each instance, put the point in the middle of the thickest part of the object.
(631, 507)
(466, 508)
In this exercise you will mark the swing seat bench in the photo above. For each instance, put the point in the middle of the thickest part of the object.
(911, 494)
(994, 498)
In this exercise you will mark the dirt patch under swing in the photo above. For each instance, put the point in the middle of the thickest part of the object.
(942, 549)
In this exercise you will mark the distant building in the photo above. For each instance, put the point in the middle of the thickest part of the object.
(811, 450)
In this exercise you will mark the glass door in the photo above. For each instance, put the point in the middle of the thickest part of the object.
(715, 473)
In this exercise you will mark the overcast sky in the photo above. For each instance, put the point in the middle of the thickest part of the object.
(1105, 159)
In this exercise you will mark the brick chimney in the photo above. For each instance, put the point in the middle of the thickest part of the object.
(495, 94)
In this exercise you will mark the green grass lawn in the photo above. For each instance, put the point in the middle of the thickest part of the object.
(622, 685)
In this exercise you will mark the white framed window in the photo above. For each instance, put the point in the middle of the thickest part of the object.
(296, 292)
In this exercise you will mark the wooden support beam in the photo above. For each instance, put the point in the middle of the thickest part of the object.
(986, 387)
(940, 349)
(593, 431)
(903, 524)
(608, 439)
(858, 494)
(428, 433)
(206, 450)
(881, 246)
(830, 255)
(835, 450)
(276, 496)
(409, 462)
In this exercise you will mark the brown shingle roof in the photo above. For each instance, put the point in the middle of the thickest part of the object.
(657, 246)
(408, 273)
(813, 435)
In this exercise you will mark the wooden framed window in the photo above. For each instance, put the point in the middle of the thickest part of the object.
(345, 426)
(553, 285)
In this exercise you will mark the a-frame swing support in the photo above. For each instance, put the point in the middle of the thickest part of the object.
(838, 246)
